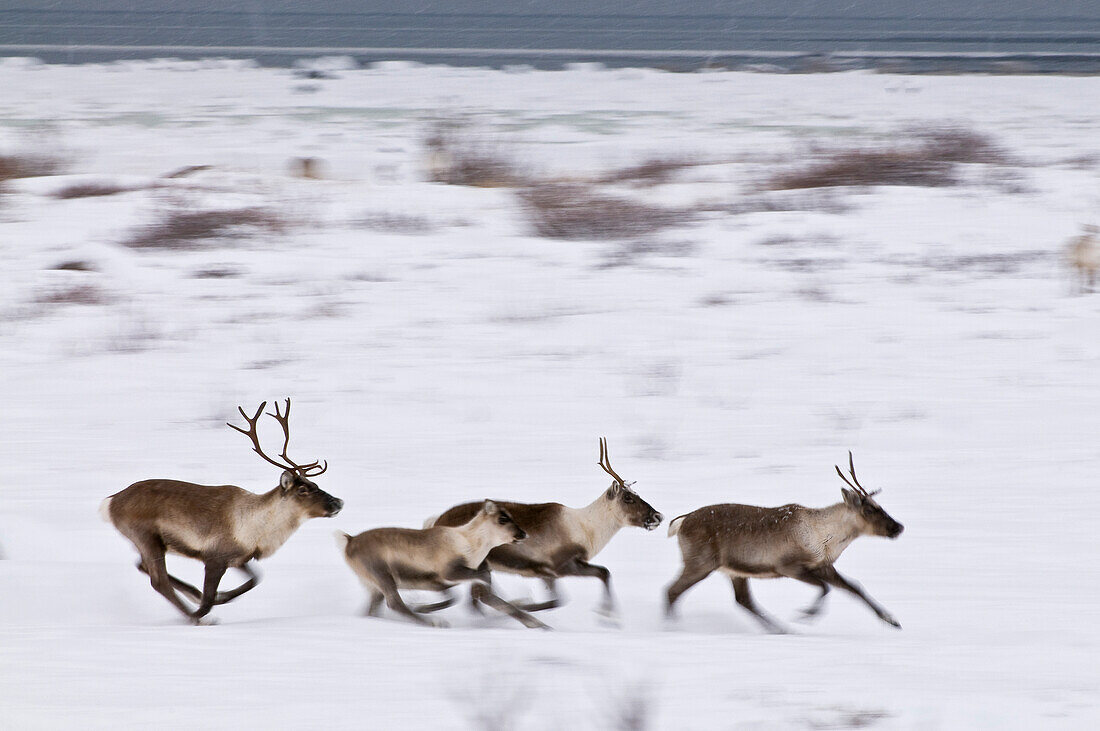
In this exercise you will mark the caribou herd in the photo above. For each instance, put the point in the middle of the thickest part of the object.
(225, 527)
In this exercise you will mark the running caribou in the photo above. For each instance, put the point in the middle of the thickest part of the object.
(561, 541)
(434, 559)
(749, 542)
(223, 526)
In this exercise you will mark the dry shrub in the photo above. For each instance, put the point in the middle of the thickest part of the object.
(929, 160)
(74, 265)
(954, 144)
(819, 200)
(493, 700)
(631, 252)
(868, 167)
(181, 228)
(457, 158)
(995, 264)
(185, 171)
(84, 294)
(29, 166)
(563, 211)
(654, 171)
(475, 168)
(91, 190)
(629, 708)
(397, 223)
(216, 272)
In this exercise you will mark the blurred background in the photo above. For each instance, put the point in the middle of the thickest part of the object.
(736, 239)
(927, 35)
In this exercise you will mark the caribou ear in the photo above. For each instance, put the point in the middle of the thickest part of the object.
(851, 498)
(490, 508)
(287, 480)
(612, 491)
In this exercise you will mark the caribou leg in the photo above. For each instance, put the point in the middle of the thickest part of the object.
(485, 595)
(253, 579)
(833, 577)
(178, 584)
(152, 558)
(214, 573)
(449, 600)
(744, 598)
(799, 573)
(691, 575)
(388, 587)
(223, 596)
(580, 567)
(553, 602)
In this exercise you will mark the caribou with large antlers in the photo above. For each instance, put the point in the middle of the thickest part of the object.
(561, 541)
(749, 542)
(223, 526)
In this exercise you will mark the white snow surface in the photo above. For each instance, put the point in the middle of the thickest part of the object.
(933, 331)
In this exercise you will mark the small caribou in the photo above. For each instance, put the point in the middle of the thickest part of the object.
(561, 540)
(433, 559)
(749, 542)
(1083, 254)
(223, 526)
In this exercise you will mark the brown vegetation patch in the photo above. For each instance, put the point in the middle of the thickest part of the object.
(84, 294)
(29, 166)
(185, 171)
(397, 223)
(74, 265)
(868, 167)
(188, 229)
(216, 272)
(955, 144)
(929, 159)
(91, 190)
(630, 252)
(819, 200)
(654, 171)
(565, 211)
(455, 157)
(993, 264)
(475, 168)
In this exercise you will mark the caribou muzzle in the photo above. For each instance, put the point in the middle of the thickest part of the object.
(333, 505)
(652, 521)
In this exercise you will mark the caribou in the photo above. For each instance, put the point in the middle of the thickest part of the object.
(749, 542)
(1083, 254)
(223, 526)
(434, 559)
(561, 541)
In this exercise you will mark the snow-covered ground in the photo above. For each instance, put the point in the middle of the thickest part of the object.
(930, 330)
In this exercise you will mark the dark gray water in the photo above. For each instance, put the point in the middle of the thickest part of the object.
(929, 36)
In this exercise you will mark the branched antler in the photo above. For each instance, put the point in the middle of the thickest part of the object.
(307, 470)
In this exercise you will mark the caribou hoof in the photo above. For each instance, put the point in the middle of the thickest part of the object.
(889, 619)
(609, 616)
(807, 616)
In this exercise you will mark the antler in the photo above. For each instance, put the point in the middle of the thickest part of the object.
(852, 470)
(605, 463)
(307, 470)
(283, 419)
(253, 435)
